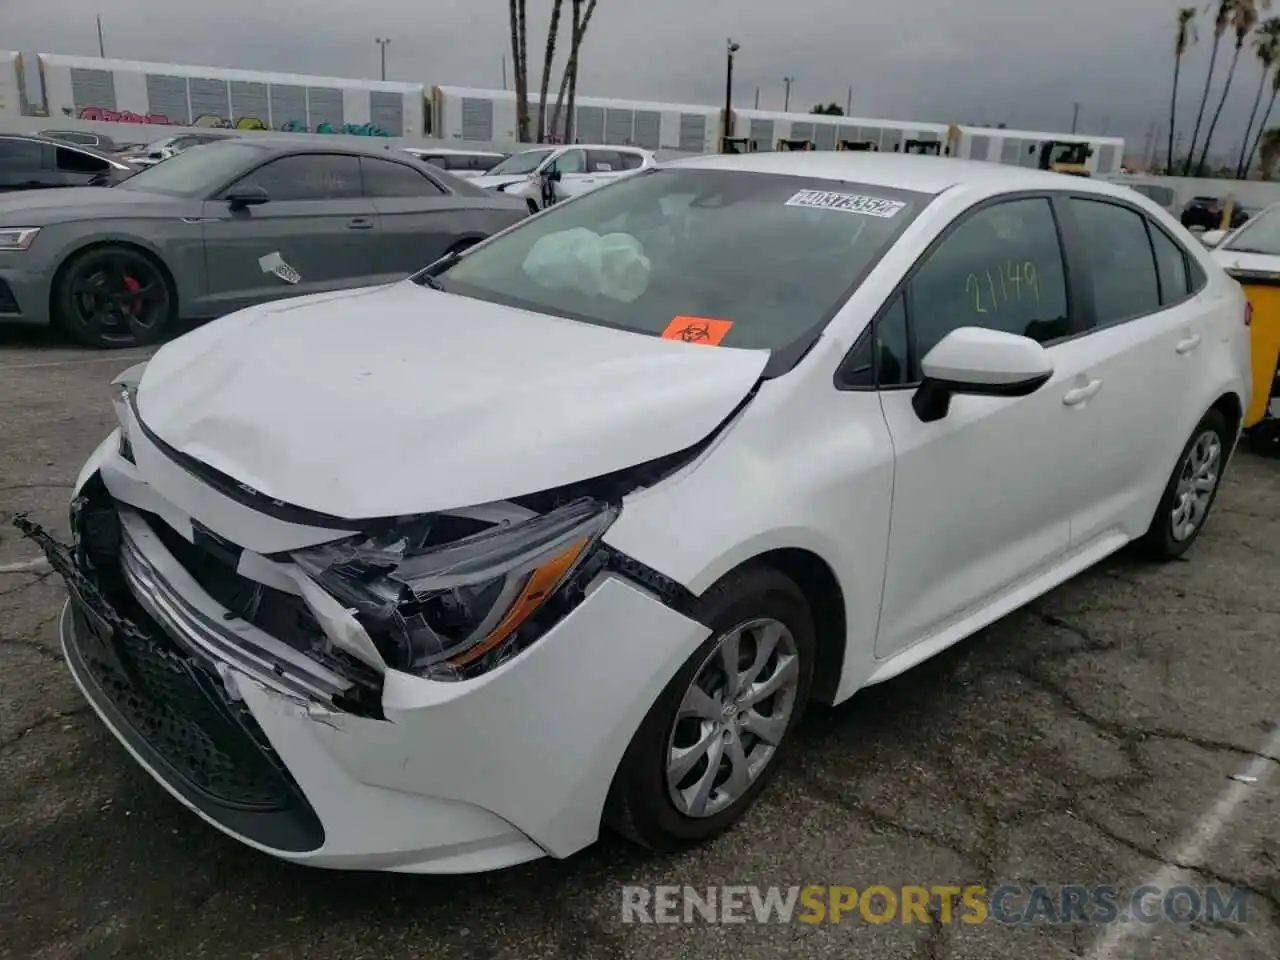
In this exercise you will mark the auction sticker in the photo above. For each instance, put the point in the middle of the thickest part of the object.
(846, 203)
(705, 330)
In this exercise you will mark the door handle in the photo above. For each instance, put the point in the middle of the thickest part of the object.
(1080, 394)
(1189, 344)
(360, 223)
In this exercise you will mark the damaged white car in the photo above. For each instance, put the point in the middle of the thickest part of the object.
(567, 530)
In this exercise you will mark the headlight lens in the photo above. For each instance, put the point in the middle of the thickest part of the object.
(456, 609)
(17, 238)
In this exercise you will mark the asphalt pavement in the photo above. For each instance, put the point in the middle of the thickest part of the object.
(1120, 732)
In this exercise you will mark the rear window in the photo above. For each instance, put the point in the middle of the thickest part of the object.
(744, 259)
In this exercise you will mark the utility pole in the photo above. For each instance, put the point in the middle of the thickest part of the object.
(757, 98)
(101, 49)
(504, 71)
(1075, 115)
(848, 103)
(383, 43)
(730, 49)
(786, 103)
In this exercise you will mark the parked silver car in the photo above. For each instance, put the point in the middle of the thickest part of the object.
(229, 225)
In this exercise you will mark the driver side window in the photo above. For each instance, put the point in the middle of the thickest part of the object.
(307, 176)
(572, 161)
(1000, 268)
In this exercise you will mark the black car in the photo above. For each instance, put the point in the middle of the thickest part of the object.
(1205, 213)
(35, 163)
(83, 138)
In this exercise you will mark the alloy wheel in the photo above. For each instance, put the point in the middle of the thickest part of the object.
(732, 717)
(1197, 480)
(118, 297)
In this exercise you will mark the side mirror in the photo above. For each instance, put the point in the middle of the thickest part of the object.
(980, 362)
(246, 195)
(1211, 238)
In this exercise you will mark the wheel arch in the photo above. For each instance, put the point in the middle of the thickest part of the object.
(141, 246)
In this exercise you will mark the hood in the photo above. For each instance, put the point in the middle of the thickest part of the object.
(488, 182)
(36, 208)
(400, 400)
(1233, 260)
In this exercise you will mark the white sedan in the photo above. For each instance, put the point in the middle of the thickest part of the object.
(550, 174)
(568, 530)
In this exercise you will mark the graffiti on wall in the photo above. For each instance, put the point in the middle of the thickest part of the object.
(121, 116)
(212, 121)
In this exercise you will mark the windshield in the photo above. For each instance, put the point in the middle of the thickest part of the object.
(526, 161)
(1260, 234)
(744, 259)
(195, 173)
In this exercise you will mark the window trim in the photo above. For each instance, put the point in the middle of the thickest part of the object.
(1072, 281)
(364, 194)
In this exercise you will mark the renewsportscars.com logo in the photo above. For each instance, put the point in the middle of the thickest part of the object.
(1007, 904)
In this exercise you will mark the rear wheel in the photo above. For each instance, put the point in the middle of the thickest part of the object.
(1191, 491)
(716, 734)
(113, 296)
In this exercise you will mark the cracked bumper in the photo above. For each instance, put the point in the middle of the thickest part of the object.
(458, 777)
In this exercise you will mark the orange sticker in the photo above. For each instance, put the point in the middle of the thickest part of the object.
(697, 330)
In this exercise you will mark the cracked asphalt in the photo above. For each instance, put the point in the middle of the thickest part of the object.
(1090, 740)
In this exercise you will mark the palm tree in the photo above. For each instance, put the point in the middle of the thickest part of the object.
(569, 82)
(1186, 37)
(1257, 139)
(1244, 17)
(1221, 20)
(547, 61)
(520, 66)
(1267, 45)
(1270, 152)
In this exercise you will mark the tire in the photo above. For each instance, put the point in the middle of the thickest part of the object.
(462, 245)
(1164, 540)
(642, 803)
(113, 296)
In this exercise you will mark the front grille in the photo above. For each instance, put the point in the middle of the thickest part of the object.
(174, 705)
(8, 302)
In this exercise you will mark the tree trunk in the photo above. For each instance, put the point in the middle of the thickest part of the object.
(571, 70)
(1222, 102)
(1204, 101)
(1173, 112)
(1262, 124)
(522, 75)
(1248, 128)
(564, 88)
(547, 61)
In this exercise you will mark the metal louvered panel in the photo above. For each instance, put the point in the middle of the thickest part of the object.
(979, 148)
(890, 140)
(93, 88)
(1106, 158)
(1029, 156)
(477, 119)
(762, 134)
(209, 101)
(845, 132)
(824, 136)
(802, 131)
(288, 106)
(1010, 150)
(167, 96)
(693, 132)
(324, 106)
(249, 105)
(648, 129)
(618, 125)
(386, 110)
(589, 127)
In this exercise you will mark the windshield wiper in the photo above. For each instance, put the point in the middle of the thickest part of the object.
(428, 276)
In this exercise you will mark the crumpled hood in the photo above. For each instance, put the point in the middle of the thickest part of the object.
(399, 399)
(489, 182)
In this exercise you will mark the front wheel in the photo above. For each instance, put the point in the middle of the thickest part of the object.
(716, 734)
(1191, 491)
(113, 296)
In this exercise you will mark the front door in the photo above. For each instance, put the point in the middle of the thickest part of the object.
(983, 498)
(316, 232)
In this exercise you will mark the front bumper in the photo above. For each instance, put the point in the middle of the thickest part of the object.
(24, 288)
(454, 777)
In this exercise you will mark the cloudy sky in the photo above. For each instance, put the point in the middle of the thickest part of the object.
(983, 61)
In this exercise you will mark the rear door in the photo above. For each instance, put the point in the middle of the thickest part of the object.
(75, 168)
(317, 232)
(25, 164)
(419, 219)
(1150, 342)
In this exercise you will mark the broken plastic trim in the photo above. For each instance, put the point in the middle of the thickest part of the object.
(459, 608)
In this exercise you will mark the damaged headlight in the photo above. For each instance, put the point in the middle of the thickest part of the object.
(453, 609)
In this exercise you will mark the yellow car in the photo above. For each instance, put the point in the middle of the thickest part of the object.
(1251, 254)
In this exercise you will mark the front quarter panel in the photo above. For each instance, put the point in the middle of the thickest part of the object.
(805, 467)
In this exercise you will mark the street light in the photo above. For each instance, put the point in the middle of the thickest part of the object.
(730, 49)
(383, 42)
(786, 104)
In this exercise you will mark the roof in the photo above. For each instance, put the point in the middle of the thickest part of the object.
(915, 172)
(454, 152)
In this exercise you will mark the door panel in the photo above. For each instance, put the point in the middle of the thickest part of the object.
(983, 498)
(418, 219)
(1150, 353)
(315, 233)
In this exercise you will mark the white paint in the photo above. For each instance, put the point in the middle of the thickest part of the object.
(274, 263)
(74, 361)
(1196, 844)
(37, 565)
